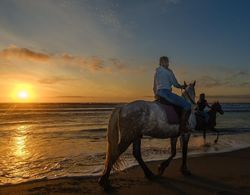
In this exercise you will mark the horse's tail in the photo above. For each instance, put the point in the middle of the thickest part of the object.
(113, 135)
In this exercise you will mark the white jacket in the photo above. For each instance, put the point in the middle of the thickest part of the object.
(164, 79)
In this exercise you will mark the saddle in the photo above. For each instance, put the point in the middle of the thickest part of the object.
(172, 111)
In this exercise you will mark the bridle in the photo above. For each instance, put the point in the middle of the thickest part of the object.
(185, 93)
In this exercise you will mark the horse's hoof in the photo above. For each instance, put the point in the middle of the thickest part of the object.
(150, 176)
(104, 183)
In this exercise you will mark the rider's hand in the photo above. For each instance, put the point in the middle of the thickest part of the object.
(184, 86)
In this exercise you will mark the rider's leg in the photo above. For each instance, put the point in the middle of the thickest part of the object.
(181, 102)
(186, 110)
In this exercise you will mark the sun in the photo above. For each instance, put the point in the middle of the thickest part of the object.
(23, 95)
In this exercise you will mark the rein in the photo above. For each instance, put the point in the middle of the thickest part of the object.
(188, 96)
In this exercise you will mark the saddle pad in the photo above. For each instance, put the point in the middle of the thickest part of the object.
(172, 115)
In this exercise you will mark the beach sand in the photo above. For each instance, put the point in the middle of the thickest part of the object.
(224, 173)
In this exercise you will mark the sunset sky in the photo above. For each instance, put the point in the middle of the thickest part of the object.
(107, 50)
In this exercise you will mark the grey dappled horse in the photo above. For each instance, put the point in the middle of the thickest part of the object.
(130, 122)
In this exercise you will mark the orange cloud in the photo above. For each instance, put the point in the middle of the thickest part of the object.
(23, 53)
(55, 79)
(91, 63)
(234, 79)
(95, 63)
(116, 63)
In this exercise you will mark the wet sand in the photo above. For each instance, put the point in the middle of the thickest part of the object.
(225, 173)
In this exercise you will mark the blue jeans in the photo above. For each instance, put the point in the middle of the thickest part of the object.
(174, 99)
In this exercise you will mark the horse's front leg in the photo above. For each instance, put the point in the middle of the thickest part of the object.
(165, 163)
(137, 155)
(184, 142)
(217, 136)
(204, 135)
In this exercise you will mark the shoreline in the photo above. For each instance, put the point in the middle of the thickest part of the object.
(192, 154)
(226, 172)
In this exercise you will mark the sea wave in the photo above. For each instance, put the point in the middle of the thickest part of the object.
(54, 110)
(91, 165)
(225, 131)
(236, 107)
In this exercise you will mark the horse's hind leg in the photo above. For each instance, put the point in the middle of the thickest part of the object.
(137, 155)
(165, 163)
(110, 160)
(184, 143)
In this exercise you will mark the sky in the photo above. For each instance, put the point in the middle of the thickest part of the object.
(108, 50)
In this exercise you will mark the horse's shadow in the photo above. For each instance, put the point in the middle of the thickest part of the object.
(193, 184)
(195, 181)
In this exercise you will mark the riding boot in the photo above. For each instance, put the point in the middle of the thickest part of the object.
(184, 121)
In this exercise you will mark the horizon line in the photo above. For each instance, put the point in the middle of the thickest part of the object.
(113, 102)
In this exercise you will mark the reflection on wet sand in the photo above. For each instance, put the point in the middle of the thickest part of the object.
(16, 155)
(19, 142)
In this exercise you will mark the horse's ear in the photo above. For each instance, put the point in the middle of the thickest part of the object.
(194, 82)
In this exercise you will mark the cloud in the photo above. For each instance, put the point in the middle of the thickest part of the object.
(116, 63)
(240, 73)
(55, 79)
(91, 63)
(23, 53)
(208, 81)
(237, 74)
(234, 79)
(95, 63)
(230, 98)
(245, 84)
(74, 96)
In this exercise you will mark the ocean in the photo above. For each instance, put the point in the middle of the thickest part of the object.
(51, 140)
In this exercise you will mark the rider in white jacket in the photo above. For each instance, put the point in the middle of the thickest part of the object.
(164, 79)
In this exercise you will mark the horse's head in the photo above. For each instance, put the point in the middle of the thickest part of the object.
(189, 92)
(217, 107)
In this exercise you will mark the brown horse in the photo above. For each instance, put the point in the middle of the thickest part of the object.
(130, 122)
(203, 125)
